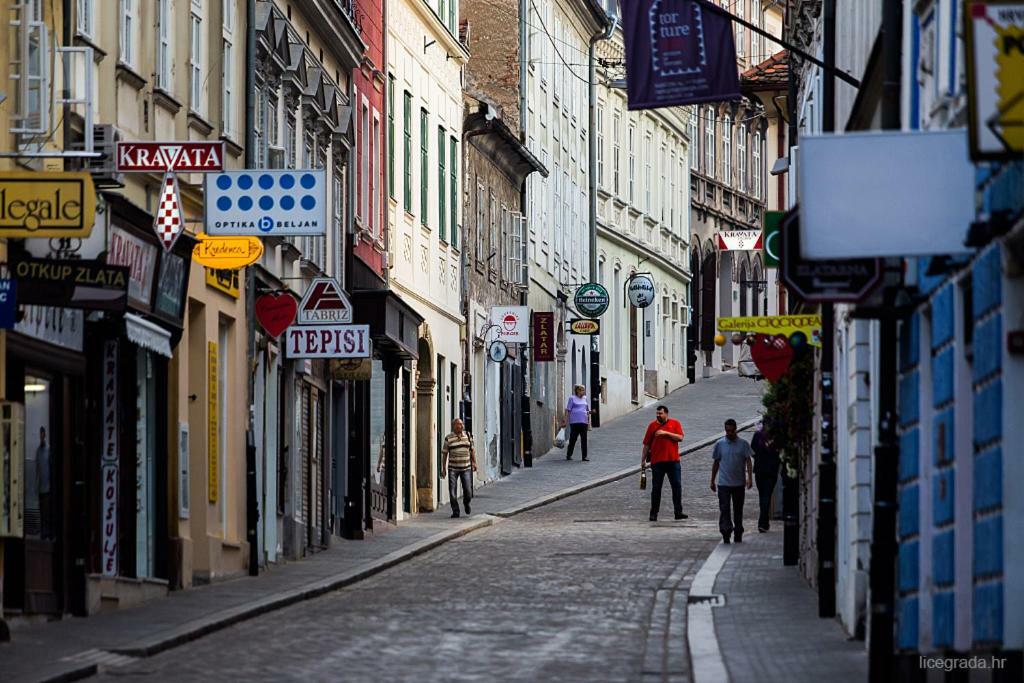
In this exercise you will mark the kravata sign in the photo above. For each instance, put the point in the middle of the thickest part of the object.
(678, 52)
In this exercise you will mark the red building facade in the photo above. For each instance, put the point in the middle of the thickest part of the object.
(369, 119)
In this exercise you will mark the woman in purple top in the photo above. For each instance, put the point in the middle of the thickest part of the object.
(577, 417)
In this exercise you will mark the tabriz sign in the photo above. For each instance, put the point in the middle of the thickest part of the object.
(46, 204)
(162, 157)
(324, 302)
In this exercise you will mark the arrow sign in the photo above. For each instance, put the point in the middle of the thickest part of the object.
(835, 280)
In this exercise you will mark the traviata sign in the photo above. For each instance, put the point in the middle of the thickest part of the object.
(328, 341)
(46, 204)
(163, 157)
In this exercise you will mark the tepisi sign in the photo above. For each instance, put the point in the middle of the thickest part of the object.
(640, 290)
(46, 204)
(772, 243)
(512, 323)
(846, 280)
(327, 341)
(995, 78)
(163, 157)
(266, 202)
(226, 253)
(591, 299)
(324, 302)
(92, 285)
(678, 52)
(739, 240)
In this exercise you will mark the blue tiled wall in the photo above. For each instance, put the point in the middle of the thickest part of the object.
(988, 413)
(942, 377)
(943, 497)
(988, 546)
(943, 425)
(910, 410)
(943, 545)
(910, 442)
(910, 517)
(988, 347)
(907, 635)
(910, 566)
(988, 480)
(943, 619)
(910, 342)
(986, 281)
(942, 316)
(987, 617)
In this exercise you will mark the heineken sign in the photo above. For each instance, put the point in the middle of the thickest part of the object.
(591, 299)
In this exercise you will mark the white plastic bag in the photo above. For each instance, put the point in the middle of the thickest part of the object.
(560, 438)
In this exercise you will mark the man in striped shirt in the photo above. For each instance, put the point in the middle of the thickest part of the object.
(458, 455)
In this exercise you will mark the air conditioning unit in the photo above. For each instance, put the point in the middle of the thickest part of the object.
(275, 157)
(103, 169)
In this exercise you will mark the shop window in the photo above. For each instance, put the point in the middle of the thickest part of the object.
(38, 501)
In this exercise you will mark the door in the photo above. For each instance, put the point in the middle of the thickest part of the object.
(505, 430)
(634, 359)
(406, 446)
(260, 427)
(269, 487)
(692, 328)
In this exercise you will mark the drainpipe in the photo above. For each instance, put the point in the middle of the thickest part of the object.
(252, 504)
(595, 340)
(524, 295)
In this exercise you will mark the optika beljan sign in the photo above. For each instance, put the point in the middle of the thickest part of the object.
(164, 157)
(46, 204)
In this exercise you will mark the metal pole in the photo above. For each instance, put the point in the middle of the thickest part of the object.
(252, 504)
(826, 536)
(790, 485)
(883, 539)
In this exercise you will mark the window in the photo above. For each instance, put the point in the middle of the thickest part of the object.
(492, 231)
(260, 130)
(600, 146)
(391, 135)
(647, 173)
(453, 189)
(481, 224)
(289, 139)
(227, 112)
(709, 143)
(164, 58)
(30, 70)
(424, 158)
(451, 15)
(228, 15)
(616, 150)
(672, 190)
(663, 175)
(442, 213)
(407, 150)
(741, 141)
(502, 243)
(740, 29)
(195, 64)
(364, 163)
(758, 171)
(85, 16)
(127, 26)
(727, 150)
(632, 163)
(442, 11)
(757, 41)
(374, 210)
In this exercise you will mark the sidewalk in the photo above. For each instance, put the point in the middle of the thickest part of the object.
(74, 648)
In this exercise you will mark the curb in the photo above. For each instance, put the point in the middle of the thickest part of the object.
(220, 620)
(609, 478)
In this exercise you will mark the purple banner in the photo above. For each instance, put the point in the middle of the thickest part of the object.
(678, 52)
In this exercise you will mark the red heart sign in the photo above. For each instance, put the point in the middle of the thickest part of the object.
(772, 355)
(276, 312)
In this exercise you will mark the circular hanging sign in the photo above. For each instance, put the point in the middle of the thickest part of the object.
(497, 351)
(640, 290)
(591, 299)
(584, 326)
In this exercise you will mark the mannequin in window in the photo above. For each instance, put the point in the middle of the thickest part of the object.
(43, 482)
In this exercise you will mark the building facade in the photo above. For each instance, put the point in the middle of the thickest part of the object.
(643, 223)
(425, 59)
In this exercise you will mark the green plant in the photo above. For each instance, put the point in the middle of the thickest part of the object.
(789, 410)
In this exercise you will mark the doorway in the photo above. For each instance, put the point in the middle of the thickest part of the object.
(634, 355)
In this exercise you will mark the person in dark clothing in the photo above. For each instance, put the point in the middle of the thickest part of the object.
(766, 473)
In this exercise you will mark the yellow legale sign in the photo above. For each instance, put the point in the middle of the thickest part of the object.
(810, 325)
(46, 204)
(227, 253)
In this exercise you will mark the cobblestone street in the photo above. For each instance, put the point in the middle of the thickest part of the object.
(583, 589)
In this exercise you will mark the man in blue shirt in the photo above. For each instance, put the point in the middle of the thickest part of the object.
(732, 456)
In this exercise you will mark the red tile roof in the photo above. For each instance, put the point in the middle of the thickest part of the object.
(772, 73)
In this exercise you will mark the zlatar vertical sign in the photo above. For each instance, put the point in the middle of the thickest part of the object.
(109, 460)
(678, 52)
(213, 424)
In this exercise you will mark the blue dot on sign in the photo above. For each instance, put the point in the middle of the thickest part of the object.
(266, 181)
(245, 203)
(266, 203)
(224, 203)
(223, 182)
(287, 181)
(287, 203)
(245, 182)
(308, 202)
(308, 181)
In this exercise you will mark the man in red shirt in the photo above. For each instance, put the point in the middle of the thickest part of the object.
(661, 448)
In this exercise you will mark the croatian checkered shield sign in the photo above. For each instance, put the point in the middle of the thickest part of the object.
(169, 223)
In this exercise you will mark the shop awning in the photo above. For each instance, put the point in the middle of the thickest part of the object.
(147, 335)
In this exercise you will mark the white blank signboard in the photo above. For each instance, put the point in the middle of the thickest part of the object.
(885, 194)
